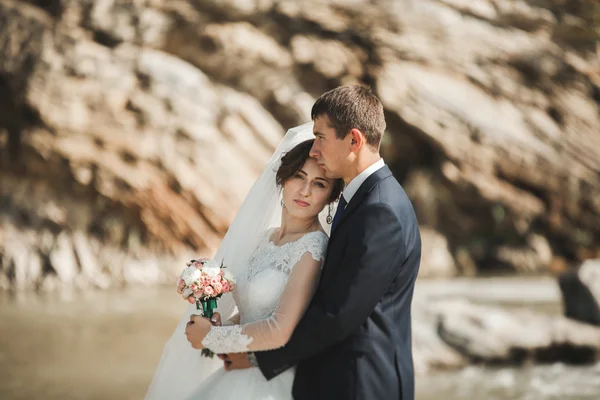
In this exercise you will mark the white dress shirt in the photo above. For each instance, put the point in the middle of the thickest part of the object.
(351, 188)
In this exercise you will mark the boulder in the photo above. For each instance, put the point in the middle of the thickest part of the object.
(580, 290)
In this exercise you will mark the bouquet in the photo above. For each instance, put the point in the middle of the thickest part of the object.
(202, 283)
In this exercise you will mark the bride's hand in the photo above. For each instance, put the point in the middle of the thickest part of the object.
(196, 330)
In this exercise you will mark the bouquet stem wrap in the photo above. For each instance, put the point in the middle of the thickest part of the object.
(208, 307)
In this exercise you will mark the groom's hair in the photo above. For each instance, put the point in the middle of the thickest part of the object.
(349, 107)
(294, 160)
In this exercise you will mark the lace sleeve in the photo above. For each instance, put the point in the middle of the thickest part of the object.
(314, 243)
(275, 331)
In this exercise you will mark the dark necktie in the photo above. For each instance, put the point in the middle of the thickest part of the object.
(338, 212)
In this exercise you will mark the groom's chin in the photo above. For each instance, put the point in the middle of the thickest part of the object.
(328, 174)
(331, 175)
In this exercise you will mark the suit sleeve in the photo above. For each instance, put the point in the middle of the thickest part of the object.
(374, 250)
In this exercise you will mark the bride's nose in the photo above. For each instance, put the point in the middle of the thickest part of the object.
(305, 189)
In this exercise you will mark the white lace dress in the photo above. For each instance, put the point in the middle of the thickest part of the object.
(271, 297)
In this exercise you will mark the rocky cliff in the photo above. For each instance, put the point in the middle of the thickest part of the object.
(130, 130)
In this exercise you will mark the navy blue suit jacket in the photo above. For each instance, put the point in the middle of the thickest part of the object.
(354, 341)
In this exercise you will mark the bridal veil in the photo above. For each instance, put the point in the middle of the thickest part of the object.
(181, 368)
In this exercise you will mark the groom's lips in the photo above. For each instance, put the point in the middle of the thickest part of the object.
(302, 203)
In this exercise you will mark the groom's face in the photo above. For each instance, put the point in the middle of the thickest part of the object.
(330, 152)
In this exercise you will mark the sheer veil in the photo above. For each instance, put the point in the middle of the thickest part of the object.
(181, 368)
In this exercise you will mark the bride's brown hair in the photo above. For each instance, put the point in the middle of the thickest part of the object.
(294, 160)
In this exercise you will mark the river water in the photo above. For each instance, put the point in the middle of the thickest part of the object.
(105, 345)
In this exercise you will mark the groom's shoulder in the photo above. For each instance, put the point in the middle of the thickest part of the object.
(389, 192)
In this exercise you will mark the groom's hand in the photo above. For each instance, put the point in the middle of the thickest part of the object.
(235, 361)
(216, 319)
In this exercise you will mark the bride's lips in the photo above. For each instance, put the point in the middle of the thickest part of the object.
(301, 203)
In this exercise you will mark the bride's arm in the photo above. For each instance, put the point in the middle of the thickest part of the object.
(275, 331)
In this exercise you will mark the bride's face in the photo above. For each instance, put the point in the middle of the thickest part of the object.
(307, 193)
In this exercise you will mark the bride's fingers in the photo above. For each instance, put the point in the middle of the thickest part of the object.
(194, 316)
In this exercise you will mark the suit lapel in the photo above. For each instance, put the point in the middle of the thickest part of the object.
(356, 200)
(360, 195)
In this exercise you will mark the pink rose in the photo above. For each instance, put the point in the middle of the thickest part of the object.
(198, 263)
(215, 280)
(181, 284)
(209, 290)
(198, 293)
(192, 300)
(225, 287)
(193, 287)
(221, 272)
(218, 287)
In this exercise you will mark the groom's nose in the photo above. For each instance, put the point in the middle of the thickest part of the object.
(314, 152)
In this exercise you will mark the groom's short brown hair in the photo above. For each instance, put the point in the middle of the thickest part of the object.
(349, 107)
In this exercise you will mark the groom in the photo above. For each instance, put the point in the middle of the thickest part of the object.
(354, 341)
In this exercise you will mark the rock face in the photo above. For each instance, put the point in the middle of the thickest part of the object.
(130, 131)
(115, 156)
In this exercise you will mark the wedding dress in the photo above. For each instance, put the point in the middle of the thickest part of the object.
(260, 288)
(271, 297)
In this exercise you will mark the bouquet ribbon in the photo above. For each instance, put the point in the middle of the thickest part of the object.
(208, 309)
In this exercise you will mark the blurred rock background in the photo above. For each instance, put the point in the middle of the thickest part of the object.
(131, 130)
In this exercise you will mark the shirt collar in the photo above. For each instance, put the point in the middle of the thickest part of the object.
(352, 187)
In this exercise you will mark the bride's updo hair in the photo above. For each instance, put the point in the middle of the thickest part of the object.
(294, 160)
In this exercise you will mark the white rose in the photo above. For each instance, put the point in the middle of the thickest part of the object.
(229, 276)
(211, 271)
(211, 268)
(190, 275)
(211, 264)
(187, 293)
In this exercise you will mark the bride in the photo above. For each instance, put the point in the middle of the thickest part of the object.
(275, 246)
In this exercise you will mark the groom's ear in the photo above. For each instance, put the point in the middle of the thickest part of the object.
(357, 139)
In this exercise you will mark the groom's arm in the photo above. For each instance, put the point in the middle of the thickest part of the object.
(375, 247)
